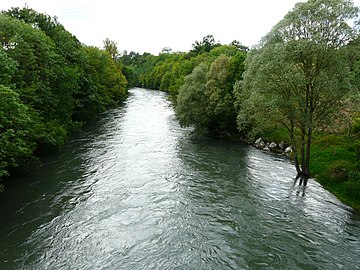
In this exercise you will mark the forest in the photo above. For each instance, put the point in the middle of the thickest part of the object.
(299, 85)
(50, 85)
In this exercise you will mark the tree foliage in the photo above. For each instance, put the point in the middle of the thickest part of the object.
(191, 101)
(18, 130)
(300, 73)
(168, 70)
(206, 98)
(206, 45)
(110, 46)
(49, 83)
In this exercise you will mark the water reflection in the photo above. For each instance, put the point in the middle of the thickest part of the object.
(301, 189)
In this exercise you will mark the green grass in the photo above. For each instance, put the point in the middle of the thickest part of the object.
(335, 164)
(276, 135)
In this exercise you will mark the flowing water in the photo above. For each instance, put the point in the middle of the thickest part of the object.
(137, 191)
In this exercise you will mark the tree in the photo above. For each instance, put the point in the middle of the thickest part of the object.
(239, 45)
(166, 50)
(35, 55)
(64, 73)
(111, 47)
(191, 101)
(206, 45)
(66, 44)
(300, 73)
(219, 95)
(48, 83)
(108, 81)
(206, 99)
(18, 130)
(7, 68)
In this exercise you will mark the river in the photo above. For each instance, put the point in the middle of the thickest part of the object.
(136, 191)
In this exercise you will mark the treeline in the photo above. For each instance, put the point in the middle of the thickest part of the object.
(202, 81)
(50, 84)
(299, 85)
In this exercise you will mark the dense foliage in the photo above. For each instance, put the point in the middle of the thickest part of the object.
(301, 72)
(206, 99)
(49, 84)
(201, 81)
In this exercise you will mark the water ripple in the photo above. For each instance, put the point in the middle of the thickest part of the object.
(136, 191)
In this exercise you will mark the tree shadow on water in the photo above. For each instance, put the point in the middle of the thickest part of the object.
(303, 180)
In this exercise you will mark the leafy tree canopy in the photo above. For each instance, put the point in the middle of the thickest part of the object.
(48, 83)
(111, 47)
(206, 45)
(300, 72)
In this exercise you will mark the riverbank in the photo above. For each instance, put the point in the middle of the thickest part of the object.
(334, 160)
(334, 164)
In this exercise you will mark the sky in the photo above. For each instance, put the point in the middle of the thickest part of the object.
(151, 25)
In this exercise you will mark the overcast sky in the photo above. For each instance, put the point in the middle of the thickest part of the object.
(151, 25)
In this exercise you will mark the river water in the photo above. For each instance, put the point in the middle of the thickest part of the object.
(137, 191)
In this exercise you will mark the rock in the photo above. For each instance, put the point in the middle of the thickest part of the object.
(288, 150)
(282, 145)
(258, 142)
(272, 145)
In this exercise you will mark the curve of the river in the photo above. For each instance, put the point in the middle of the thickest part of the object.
(137, 191)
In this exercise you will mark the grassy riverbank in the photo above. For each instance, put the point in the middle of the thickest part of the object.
(335, 163)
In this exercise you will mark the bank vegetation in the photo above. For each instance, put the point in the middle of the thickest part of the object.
(50, 84)
(300, 86)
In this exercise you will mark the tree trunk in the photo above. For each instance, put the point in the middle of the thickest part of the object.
(308, 150)
(302, 149)
(294, 148)
(296, 163)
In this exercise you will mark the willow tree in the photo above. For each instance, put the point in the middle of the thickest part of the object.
(298, 75)
(191, 101)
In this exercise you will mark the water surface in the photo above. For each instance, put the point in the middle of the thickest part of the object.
(137, 191)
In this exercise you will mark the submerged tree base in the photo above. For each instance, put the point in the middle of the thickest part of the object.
(302, 178)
